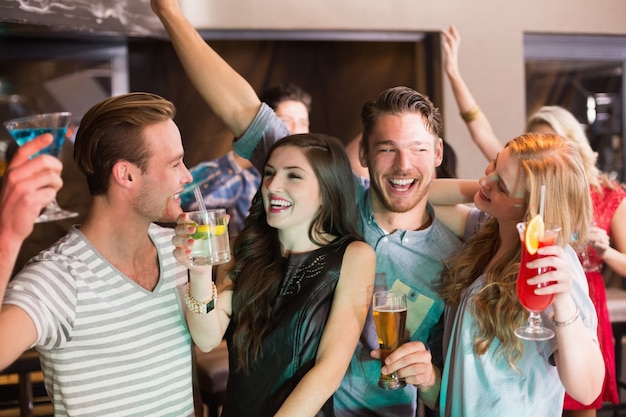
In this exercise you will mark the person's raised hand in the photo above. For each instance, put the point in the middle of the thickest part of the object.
(451, 43)
(29, 186)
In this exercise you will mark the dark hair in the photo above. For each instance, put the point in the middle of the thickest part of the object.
(257, 270)
(447, 169)
(399, 100)
(275, 95)
(112, 131)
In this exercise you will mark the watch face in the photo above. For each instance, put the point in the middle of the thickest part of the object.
(208, 306)
(197, 307)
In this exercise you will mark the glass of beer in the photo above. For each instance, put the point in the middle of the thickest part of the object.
(390, 319)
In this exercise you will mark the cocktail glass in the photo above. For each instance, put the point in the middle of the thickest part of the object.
(390, 319)
(588, 257)
(211, 244)
(532, 302)
(25, 129)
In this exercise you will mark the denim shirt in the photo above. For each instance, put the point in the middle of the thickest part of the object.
(408, 261)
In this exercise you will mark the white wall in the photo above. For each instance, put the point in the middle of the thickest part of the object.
(492, 57)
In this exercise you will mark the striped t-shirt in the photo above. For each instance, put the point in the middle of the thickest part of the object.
(108, 347)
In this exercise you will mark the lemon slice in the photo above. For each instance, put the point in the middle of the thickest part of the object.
(533, 233)
(202, 232)
(218, 230)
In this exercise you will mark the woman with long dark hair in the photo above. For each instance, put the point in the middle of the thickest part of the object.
(294, 301)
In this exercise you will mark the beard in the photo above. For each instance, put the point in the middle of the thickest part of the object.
(399, 204)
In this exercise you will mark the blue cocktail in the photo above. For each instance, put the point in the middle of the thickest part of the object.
(25, 129)
(22, 136)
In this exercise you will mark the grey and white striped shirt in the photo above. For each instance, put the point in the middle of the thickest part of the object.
(108, 347)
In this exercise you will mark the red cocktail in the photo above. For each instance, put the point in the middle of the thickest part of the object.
(526, 293)
(538, 237)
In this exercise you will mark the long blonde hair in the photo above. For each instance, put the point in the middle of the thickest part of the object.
(543, 159)
(565, 124)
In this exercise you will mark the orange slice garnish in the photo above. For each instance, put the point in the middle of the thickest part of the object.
(533, 234)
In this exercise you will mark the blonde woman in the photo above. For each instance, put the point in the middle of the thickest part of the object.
(607, 236)
(488, 371)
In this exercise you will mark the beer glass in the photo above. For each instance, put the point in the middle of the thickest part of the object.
(390, 318)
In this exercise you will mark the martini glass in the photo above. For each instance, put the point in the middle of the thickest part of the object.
(25, 129)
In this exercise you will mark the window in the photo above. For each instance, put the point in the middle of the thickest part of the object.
(585, 75)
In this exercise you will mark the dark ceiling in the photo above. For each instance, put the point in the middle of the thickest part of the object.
(88, 17)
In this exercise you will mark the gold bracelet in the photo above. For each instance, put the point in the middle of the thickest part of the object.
(198, 307)
(471, 114)
(568, 321)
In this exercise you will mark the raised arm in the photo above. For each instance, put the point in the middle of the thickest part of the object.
(230, 96)
(341, 334)
(450, 191)
(29, 185)
(477, 123)
(449, 197)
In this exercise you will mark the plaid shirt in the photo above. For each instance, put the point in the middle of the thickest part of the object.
(224, 184)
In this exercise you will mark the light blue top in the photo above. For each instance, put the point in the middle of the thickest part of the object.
(409, 261)
(486, 385)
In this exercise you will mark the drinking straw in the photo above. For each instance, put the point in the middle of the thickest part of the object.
(542, 200)
(199, 199)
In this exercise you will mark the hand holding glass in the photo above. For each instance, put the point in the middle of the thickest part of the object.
(390, 319)
(588, 256)
(532, 302)
(25, 129)
(211, 244)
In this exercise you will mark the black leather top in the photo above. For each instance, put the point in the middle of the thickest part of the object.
(289, 350)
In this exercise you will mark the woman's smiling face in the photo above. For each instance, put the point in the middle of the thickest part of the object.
(501, 192)
(291, 191)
